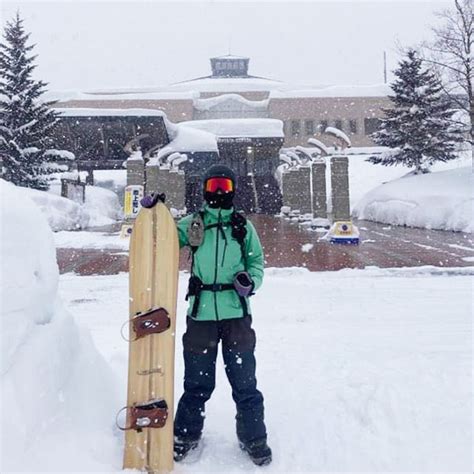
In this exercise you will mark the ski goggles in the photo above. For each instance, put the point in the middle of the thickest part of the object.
(226, 185)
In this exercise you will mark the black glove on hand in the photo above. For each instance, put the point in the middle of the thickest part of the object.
(244, 284)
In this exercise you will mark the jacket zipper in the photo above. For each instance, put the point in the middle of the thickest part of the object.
(216, 264)
(225, 245)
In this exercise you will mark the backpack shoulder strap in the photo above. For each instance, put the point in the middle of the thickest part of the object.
(238, 223)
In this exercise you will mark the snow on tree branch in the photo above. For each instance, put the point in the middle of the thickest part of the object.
(421, 127)
(26, 122)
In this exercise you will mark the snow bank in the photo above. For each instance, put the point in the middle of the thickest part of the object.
(101, 207)
(56, 390)
(441, 200)
(61, 213)
(365, 176)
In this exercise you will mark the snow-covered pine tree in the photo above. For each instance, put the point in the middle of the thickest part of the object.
(418, 127)
(26, 122)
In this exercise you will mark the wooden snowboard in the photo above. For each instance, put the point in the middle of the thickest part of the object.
(154, 258)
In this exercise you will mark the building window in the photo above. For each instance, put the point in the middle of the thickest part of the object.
(323, 125)
(353, 125)
(338, 124)
(309, 127)
(371, 125)
(295, 127)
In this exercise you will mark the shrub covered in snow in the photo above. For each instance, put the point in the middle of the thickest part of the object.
(61, 213)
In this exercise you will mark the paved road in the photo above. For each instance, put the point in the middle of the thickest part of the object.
(381, 245)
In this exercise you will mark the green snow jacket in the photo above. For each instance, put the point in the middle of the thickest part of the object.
(217, 260)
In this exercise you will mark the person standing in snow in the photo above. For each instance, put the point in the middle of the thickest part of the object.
(227, 267)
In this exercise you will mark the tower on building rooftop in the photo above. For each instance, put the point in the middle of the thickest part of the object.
(230, 66)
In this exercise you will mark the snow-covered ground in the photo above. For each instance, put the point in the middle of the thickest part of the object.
(440, 200)
(362, 370)
(90, 240)
(349, 386)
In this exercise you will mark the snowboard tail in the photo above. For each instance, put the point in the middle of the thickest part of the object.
(154, 258)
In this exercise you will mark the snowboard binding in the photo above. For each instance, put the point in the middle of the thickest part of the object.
(154, 321)
(152, 199)
(151, 414)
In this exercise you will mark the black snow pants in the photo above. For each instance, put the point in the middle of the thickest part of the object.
(200, 343)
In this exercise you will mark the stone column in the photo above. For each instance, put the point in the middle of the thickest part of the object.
(135, 172)
(296, 189)
(340, 188)
(319, 190)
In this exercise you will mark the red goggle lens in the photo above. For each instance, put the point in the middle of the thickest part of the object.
(224, 184)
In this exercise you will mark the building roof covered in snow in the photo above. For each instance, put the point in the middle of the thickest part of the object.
(230, 92)
(99, 112)
(235, 128)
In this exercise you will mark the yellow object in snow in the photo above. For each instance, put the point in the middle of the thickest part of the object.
(133, 195)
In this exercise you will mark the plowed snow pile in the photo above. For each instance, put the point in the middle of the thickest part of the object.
(57, 391)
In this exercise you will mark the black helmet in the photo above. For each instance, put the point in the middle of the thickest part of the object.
(219, 200)
(220, 171)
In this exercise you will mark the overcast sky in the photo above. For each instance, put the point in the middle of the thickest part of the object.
(90, 45)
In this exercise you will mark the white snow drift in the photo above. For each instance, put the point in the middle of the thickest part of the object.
(101, 207)
(56, 390)
(441, 200)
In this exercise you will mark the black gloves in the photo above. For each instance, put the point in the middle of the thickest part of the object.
(244, 284)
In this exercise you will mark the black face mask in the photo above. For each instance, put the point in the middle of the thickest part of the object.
(219, 200)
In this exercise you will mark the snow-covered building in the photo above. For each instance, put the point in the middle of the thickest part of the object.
(231, 92)
(228, 116)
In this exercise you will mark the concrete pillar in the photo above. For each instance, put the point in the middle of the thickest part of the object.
(135, 172)
(296, 189)
(170, 182)
(341, 210)
(319, 190)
